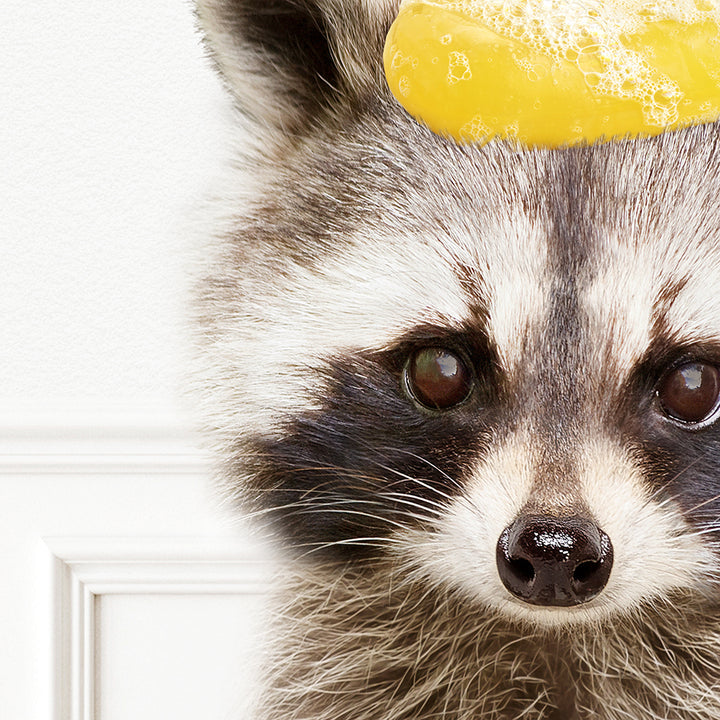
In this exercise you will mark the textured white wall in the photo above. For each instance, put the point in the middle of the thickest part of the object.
(111, 130)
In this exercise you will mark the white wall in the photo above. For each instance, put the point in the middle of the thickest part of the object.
(111, 129)
(123, 592)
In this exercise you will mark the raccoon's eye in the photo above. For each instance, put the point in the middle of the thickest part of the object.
(690, 393)
(438, 378)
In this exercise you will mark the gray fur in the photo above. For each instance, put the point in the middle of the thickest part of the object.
(582, 269)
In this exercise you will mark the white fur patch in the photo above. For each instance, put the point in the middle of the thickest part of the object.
(516, 284)
(656, 551)
(694, 317)
(460, 548)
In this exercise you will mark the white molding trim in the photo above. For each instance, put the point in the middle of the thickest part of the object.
(131, 461)
(85, 444)
(83, 569)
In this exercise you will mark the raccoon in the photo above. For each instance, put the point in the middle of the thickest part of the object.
(471, 390)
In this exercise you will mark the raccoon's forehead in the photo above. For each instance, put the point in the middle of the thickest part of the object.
(639, 242)
(421, 231)
(384, 233)
(374, 234)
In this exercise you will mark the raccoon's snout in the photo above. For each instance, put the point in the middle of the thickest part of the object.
(552, 561)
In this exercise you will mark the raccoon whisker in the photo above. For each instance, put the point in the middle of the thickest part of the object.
(379, 481)
(375, 540)
(412, 478)
(324, 468)
(424, 484)
(675, 477)
(369, 541)
(430, 464)
(315, 499)
(417, 519)
(709, 528)
(420, 503)
(368, 482)
(703, 503)
(307, 504)
(347, 507)
(331, 508)
(652, 502)
(668, 500)
(345, 472)
(432, 489)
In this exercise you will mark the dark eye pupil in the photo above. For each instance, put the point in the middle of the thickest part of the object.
(690, 393)
(438, 378)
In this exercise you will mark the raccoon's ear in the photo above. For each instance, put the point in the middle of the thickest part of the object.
(286, 60)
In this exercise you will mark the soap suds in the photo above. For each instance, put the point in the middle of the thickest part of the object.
(589, 34)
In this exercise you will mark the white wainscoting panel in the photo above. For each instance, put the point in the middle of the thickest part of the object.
(199, 659)
(154, 627)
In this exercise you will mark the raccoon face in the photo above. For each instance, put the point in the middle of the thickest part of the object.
(498, 368)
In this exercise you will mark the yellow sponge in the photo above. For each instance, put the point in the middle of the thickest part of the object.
(551, 73)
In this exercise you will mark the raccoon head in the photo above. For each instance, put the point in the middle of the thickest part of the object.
(499, 368)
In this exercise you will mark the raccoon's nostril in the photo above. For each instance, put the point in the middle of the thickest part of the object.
(584, 571)
(523, 570)
(551, 561)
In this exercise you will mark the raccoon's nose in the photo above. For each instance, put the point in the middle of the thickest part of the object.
(553, 561)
